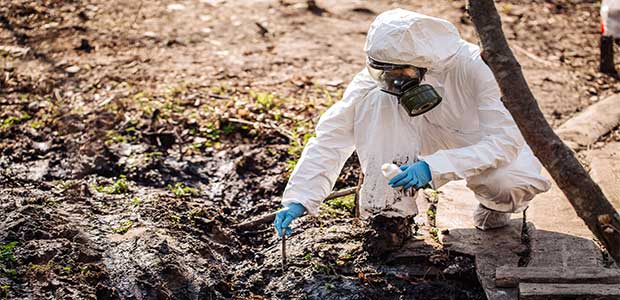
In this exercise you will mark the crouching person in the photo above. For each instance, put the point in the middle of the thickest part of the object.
(427, 102)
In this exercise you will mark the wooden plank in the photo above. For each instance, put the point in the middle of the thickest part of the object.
(565, 291)
(507, 276)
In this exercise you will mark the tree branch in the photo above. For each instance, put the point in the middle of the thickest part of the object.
(268, 218)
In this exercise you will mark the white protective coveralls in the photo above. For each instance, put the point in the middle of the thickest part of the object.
(610, 18)
(469, 135)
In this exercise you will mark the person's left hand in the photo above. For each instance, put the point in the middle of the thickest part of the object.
(413, 175)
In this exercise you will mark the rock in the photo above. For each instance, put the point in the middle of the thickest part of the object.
(39, 169)
(176, 7)
(14, 50)
(72, 69)
(150, 34)
(42, 147)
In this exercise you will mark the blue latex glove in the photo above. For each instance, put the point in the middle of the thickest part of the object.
(285, 216)
(414, 175)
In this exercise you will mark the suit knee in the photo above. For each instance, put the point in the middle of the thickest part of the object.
(503, 193)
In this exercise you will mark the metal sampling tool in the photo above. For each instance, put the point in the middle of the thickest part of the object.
(283, 251)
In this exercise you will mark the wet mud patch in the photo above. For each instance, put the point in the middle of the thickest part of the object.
(124, 164)
(327, 261)
(99, 237)
(44, 255)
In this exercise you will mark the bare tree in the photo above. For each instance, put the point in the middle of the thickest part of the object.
(582, 192)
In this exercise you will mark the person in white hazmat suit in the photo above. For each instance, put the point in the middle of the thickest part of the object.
(610, 35)
(427, 102)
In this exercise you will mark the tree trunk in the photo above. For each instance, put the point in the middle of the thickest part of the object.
(582, 192)
(606, 47)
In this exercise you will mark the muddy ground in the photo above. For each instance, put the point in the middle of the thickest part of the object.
(134, 135)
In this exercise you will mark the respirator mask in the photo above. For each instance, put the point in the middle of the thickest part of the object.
(403, 81)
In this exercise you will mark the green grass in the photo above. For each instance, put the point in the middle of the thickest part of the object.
(295, 148)
(344, 203)
(174, 219)
(123, 227)
(6, 252)
(265, 100)
(120, 186)
(196, 213)
(9, 273)
(180, 190)
(10, 121)
(4, 291)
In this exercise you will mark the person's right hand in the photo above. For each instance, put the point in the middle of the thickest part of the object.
(285, 216)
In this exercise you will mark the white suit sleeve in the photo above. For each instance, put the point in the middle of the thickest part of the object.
(324, 156)
(501, 139)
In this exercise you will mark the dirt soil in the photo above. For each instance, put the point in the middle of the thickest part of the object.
(134, 135)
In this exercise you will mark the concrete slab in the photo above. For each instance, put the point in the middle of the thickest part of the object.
(605, 170)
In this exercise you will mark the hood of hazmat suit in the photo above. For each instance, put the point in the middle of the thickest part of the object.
(469, 135)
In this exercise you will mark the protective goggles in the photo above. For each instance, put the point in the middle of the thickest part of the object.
(394, 79)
